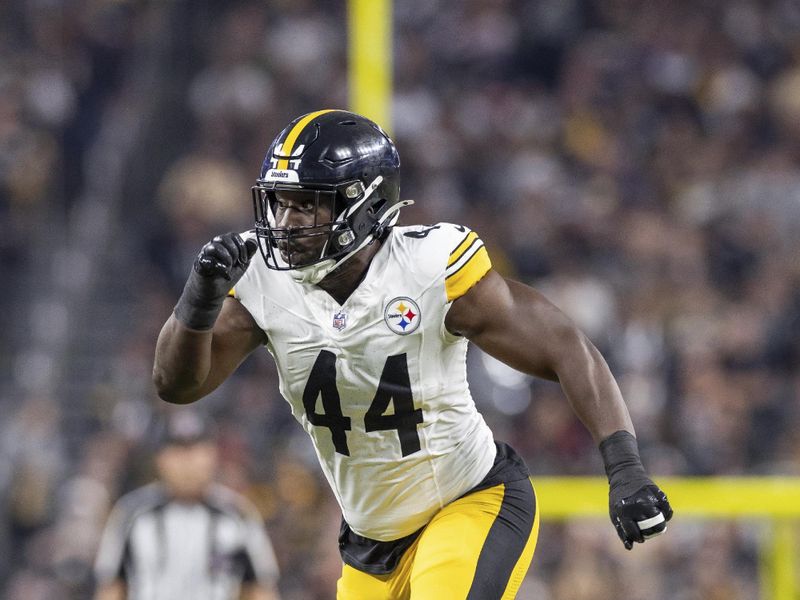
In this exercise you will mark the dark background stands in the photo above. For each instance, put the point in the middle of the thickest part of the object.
(638, 162)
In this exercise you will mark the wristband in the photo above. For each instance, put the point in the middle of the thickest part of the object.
(623, 466)
(195, 309)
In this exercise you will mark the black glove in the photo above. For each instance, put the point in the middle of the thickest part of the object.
(639, 510)
(217, 268)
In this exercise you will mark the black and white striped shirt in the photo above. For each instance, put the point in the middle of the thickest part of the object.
(165, 549)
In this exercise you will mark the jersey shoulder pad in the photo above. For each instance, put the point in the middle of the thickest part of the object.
(457, 252)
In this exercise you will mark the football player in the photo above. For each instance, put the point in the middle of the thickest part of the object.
(368, 323)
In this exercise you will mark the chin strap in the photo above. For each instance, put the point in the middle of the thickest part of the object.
(313, 274)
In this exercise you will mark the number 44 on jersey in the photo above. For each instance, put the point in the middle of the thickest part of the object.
(394, 385)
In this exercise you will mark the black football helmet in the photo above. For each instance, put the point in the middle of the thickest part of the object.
(347, 161)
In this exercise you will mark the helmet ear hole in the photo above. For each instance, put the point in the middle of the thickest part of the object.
(377, 207)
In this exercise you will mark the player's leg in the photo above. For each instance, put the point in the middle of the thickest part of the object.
(357, 585)
(478, 547)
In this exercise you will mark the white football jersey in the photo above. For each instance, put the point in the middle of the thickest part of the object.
(378, 383)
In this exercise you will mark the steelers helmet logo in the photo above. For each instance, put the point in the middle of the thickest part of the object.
(402, 315)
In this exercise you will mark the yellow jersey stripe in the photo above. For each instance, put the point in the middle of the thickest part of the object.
(471, 272)
(462, 246)
(288, 143)
(465, 257)
(232, 292)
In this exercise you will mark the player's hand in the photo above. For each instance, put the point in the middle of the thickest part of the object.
(638, 509)
(640, 516)
(219, 265)
(223, 261)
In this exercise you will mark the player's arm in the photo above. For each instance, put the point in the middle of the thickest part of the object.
(114, 590)
(209, 334)
(518, 326)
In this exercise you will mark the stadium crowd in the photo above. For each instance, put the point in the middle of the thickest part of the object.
(637, 162)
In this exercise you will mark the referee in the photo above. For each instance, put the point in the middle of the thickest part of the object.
(185, 537)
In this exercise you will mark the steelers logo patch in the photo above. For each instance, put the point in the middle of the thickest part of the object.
(402, 315)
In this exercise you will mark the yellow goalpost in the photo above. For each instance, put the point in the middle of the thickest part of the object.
(776, 500)
(370, 59)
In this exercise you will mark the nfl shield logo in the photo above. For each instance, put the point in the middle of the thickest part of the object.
(339, 321)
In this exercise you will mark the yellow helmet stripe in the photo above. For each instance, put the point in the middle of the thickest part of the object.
(288, 144)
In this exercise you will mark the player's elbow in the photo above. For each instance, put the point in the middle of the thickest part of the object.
(176, 396)
(172, 391)
(571, 349)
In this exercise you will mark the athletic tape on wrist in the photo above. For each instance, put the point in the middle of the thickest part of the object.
(195, 311)
(623, 466)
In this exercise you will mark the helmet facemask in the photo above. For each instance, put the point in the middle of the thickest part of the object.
(358, 217)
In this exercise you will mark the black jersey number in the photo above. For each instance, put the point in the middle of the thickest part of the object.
(394, 385)
(422, 233)
(322, 381)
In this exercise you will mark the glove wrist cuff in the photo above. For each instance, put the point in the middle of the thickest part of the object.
(195, 309)
(620, 453)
